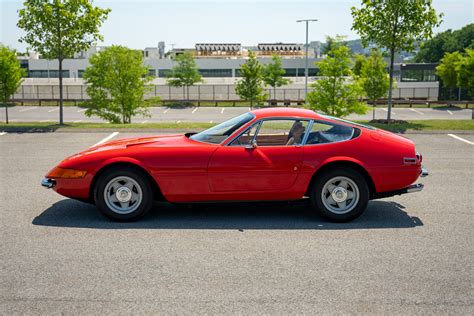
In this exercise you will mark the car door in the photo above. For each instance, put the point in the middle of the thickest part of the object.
(266, 157)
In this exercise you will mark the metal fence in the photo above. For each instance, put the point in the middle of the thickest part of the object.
(214, 92)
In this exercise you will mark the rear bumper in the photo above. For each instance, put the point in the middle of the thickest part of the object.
(48, 183)
(424, 172)
(412, 188)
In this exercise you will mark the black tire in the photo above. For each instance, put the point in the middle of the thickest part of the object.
(140, 178)
(353, 212)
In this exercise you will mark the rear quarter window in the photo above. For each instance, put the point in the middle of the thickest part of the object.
(326, 132)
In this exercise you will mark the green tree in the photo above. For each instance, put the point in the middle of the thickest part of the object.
(185, 73)
(395, 25)
(10, 76)
(332, 43)
(57, 29)
(374, 77)
(273, 74)
(117, 82)
(335, 94)
(250, 87)
(465, 70)
(433, 50)
(359, 61)
(447, 69)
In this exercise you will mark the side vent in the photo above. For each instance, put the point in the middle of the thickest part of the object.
(409, 161)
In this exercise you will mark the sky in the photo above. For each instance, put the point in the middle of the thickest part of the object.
(143, 23)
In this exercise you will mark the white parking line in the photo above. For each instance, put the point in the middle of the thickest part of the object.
(43, 121)
(416, 111)
(387, 111)
(195, 109)
(107, 138)
(164, 112)
(78, 121)
(53, 110)
(461, 139)
(222, 111)
(24, 110)
(81, 110)
(2, 133)
(450, 113)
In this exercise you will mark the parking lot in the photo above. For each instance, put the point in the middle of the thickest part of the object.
(215, 114)
(407, 254)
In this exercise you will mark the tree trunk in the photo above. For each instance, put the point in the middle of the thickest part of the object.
(6, 107)
(373, 109)
(61, 120)
(392, 57)
(274, 93)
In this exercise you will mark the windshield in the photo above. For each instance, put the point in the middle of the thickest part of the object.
(219, 133)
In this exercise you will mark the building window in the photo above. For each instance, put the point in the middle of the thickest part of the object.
(38, 74)
(163, 73)
(152, 72)
(312, 72)
(44, 74)
(216, 72)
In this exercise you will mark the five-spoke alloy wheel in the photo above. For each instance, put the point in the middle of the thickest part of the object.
(340, 195)
(123, 194)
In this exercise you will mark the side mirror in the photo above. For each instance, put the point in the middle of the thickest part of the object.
(252, 145)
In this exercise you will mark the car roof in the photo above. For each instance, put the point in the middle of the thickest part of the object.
(285, 112)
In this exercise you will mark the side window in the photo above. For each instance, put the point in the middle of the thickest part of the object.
(281, 132)
(246, 137)
(323, 133)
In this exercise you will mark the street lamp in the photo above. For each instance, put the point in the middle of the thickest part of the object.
(306, 59)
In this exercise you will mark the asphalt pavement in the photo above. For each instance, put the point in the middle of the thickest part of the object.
(410, 254)
(214, 114)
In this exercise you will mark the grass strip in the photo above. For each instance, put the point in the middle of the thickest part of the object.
(419, 125)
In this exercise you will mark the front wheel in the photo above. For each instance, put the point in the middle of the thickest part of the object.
(123, 195)
(340, 195)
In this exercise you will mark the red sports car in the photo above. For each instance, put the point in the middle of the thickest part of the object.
(263, 155)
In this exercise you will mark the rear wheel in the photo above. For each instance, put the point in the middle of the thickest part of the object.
(340, 195)
(123, 194)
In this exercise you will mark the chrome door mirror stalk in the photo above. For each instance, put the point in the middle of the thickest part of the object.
(252, 145)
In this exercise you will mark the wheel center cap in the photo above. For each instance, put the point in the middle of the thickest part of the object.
(123, 194)
(339, 194)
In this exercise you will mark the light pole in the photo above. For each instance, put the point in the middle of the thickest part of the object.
(306, 58)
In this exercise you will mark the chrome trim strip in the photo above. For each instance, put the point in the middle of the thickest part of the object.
(308, 131)
(48, 183)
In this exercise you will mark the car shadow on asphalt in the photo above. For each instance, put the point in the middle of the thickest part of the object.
(242, 216)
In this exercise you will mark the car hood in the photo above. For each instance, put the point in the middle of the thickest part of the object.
(177, 140)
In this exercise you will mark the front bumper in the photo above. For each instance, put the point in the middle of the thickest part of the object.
(48, 183)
